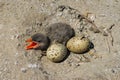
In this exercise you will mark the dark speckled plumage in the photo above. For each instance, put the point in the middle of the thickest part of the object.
(60, 32)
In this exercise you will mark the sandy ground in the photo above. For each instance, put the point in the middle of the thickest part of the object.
(19, 19)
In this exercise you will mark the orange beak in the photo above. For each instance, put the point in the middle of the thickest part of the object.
(32, 44)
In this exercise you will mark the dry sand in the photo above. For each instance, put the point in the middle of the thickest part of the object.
(19, 19)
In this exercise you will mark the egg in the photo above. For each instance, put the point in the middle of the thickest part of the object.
(78, 44)
(56, 52)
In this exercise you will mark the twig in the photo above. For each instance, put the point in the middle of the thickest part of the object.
(86, 58)
(107, 43)
(111, 38)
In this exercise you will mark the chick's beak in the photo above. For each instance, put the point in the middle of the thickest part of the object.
(32, 44)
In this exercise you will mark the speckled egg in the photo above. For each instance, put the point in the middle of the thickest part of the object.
(78, 44)
(56, 52)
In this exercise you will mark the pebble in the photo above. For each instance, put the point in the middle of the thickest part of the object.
(33, 66)
(115, 71)
(23, 70)
(59, 14)
(91, 17)
(16, 54)
(102, 15)
(16, 62)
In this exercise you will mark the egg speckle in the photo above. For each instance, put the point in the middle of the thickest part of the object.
(56, 52)
(78, 44)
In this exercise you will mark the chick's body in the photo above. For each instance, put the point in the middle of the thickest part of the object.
(60, 32)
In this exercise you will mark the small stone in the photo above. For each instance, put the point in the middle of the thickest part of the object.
(18, 44)
(61, 8)
(16, 62)
(91, 17)
(113, 70)
(102, 15)
(78, 64)
(32, 66)
(25, 54)
(59, 14)
(23, 70)
(105, 34)
(16, 54)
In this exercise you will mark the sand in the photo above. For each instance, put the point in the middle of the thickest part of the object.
(19, 19)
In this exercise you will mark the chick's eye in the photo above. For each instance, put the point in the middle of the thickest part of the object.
(39, 41)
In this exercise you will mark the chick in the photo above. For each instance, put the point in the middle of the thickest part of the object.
(57, 32)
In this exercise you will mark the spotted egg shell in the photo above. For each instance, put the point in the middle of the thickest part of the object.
(56, 52)
(78, 44)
